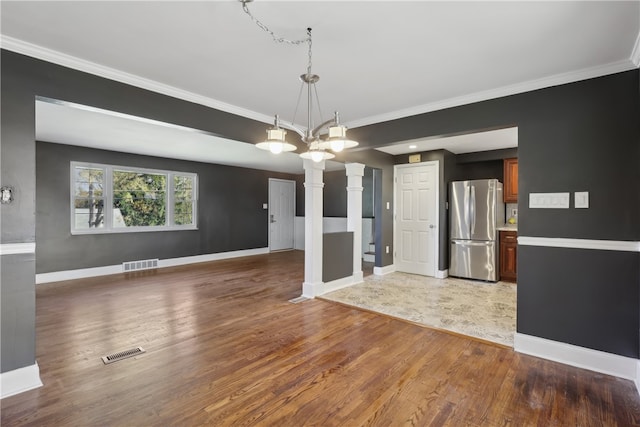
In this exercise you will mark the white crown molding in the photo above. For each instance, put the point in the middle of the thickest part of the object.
(603, 245)
(635, 53)
(580, 357)
(19, 380)
(39, 52)
(17, 248)
(555, 80)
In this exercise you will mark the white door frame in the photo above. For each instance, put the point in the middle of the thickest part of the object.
(269, 212)
(436, 253)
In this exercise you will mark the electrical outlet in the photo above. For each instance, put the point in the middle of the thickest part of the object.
(514, 212)
(386, 249)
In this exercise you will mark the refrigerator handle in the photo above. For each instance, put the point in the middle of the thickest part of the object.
(472, 209)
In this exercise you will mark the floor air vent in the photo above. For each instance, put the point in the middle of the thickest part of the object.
(110, 358)
(299, 299)
(145, 264)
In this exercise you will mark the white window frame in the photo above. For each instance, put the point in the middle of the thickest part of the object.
(108, 200)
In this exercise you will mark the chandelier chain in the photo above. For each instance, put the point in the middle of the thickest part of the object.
(276, 38)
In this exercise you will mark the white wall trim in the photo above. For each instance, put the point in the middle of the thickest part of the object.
(637, 379)
(17, 248)
(59, 58)
(19, 380)
(604, 245)
(381, 271)
(442, 274)
(82, 273)
(334, 285)
(594, 360)
(635, 53)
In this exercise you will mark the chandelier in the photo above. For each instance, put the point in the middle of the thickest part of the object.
(336, 135)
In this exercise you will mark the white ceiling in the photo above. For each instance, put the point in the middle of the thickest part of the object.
(378, 60)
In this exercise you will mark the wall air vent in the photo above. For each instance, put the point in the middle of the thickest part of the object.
(114, 357)
(145, 264)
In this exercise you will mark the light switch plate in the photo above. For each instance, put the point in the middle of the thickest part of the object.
(265, 206)
(549, 200)
(581, 199)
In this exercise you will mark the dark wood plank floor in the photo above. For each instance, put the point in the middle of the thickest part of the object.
(224, 347)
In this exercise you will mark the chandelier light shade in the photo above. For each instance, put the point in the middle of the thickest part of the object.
(275, 141)
(336, 139)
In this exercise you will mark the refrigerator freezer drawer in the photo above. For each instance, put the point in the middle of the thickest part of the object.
(474, 260)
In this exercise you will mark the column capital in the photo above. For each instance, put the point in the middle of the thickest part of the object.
(354, 169)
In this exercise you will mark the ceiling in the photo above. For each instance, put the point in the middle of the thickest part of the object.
(378, 60)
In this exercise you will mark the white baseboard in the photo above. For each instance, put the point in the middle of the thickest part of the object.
(19, 380)
(594, 360)
(82, 273)
(340, 283)
(381, 271)
(312, 290)
(442, 274)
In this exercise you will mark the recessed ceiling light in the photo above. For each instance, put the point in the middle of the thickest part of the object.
(413, 146)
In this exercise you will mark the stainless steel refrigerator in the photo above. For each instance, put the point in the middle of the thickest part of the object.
(476, 209)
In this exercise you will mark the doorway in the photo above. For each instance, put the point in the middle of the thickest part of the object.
(282, 207)
(416, 224)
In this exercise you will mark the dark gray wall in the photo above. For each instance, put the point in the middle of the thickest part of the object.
(334, 203)
(583, 136)
(23, 79)
(230, 214)
(337, 255)
(574, 137)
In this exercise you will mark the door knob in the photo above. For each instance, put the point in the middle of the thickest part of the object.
(432, 226)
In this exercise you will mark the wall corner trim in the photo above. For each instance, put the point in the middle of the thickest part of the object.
(603, 245)
(17, 248)
(580, 357)
(635, 53)
(19, 380)
(442, 274)
(381, 271)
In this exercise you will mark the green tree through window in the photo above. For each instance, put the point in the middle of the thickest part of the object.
(108, 198)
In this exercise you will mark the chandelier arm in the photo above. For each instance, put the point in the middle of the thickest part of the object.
(293, 128)
(323, 124)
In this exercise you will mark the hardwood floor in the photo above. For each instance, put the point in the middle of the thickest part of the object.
(225, 347)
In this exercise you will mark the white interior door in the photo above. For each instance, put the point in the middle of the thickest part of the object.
(416, 227)
(281, 213)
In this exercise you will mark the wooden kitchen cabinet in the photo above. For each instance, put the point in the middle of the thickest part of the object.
(510, 190)
(508, 256)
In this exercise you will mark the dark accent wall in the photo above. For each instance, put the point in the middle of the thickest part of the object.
(337, 255)
(230, 214)
(574, 137)
(334, 202)
(583, 136)
(23, 79)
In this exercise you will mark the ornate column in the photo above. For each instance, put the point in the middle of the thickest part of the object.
(313, 189)
(355, 172)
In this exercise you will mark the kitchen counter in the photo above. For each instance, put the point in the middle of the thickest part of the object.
(507, 227)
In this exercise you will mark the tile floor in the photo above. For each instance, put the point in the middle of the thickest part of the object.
(478, 309)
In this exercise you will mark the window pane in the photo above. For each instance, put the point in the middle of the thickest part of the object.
(88, 213)
(139, 199)
(183, 200)
(89, 182)
(88, 197)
